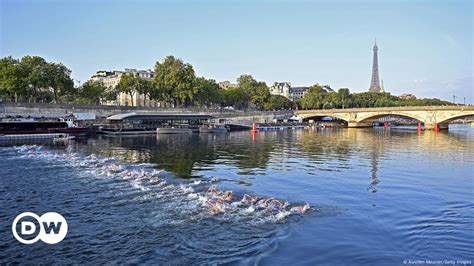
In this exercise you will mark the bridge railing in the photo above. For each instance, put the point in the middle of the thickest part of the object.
(397, 108)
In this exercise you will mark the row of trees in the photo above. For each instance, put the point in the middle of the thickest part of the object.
(319, 98)
(32, 79)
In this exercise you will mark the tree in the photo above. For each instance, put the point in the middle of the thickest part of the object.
(12, 80)
(92, 92)
(208, 92)
(278, 102)
(260, 94)
(314, 98)
(257, 92)
(130, 85)
(236, 97)
(344, 95)
(145, 87)
(174, 81)
(35, 69)
(59, 80)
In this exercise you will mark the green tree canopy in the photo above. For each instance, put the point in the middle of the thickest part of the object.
(278, 102)
(174, 81)
(92, 92)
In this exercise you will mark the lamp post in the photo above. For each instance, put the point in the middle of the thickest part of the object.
(454, 99)
(464, 100)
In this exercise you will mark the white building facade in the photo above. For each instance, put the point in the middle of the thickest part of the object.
(112, 78)
(285, 89)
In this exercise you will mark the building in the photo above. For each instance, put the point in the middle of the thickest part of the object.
(375, 82)
(285, 89)
(297, 93)
(407, 96)
(226, 85)
(112, 78)
(281, 88)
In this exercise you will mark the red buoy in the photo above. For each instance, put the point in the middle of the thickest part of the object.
(254, 127)
(385, 124)
(436, 128)
(419, 127)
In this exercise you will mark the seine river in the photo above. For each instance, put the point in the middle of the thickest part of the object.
(375, 196)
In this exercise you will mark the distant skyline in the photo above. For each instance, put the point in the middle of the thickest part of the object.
(425, 47)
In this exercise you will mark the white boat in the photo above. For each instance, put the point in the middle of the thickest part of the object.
(173, 130)
(213, 129)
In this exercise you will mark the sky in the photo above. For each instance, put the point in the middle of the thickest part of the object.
(425, 47)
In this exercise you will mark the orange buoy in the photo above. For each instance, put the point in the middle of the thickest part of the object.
(254, 127)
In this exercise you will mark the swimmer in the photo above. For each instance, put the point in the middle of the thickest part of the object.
(250, 199)
(213, 191)
(215, 209)
(155, 178)
(300, 209)
(128, 174)
(228, 196)
(114, 168)
(91, 157)
(265, 202)
(213, 180)
(277, 203)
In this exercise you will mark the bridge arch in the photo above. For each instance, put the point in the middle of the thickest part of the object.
(368, 118)
(451, 117)
(338, 116)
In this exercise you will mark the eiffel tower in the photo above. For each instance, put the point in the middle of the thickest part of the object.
(375, 82)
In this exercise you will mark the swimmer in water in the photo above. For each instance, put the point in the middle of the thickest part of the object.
(213, 191)
(215, 209)
(250, 199)
(228, 196)
(300, 209)
(128, 174)
(213, 180)
(114, 168)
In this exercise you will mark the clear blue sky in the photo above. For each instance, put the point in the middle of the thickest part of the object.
(425, 47)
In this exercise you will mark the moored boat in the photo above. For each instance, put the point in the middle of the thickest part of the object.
(25, 127)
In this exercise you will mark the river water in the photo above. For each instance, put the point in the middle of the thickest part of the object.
(376, 196)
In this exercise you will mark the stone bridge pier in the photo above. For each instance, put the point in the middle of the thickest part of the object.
(433, 117)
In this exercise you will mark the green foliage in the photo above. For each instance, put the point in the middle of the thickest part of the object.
(33, 79)
(92, 92)
(174, 81)
(129, 84)
(278, 102)
(257, 92)
(12, 79)
(318, 98)
(236, 97)
(208, 92)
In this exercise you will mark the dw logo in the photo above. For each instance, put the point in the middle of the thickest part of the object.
(51, 228)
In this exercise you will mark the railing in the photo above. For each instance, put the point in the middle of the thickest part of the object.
(396, 108)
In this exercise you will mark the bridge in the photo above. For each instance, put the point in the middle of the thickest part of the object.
(431, 116)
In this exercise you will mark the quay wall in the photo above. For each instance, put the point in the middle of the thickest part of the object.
(104, 111)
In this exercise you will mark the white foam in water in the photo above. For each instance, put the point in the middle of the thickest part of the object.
(182, 198)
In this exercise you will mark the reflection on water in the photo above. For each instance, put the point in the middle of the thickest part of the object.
(379, 195)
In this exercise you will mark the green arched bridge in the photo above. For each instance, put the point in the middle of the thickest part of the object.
(431, 116)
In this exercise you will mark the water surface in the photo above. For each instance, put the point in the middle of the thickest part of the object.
(376, 196)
